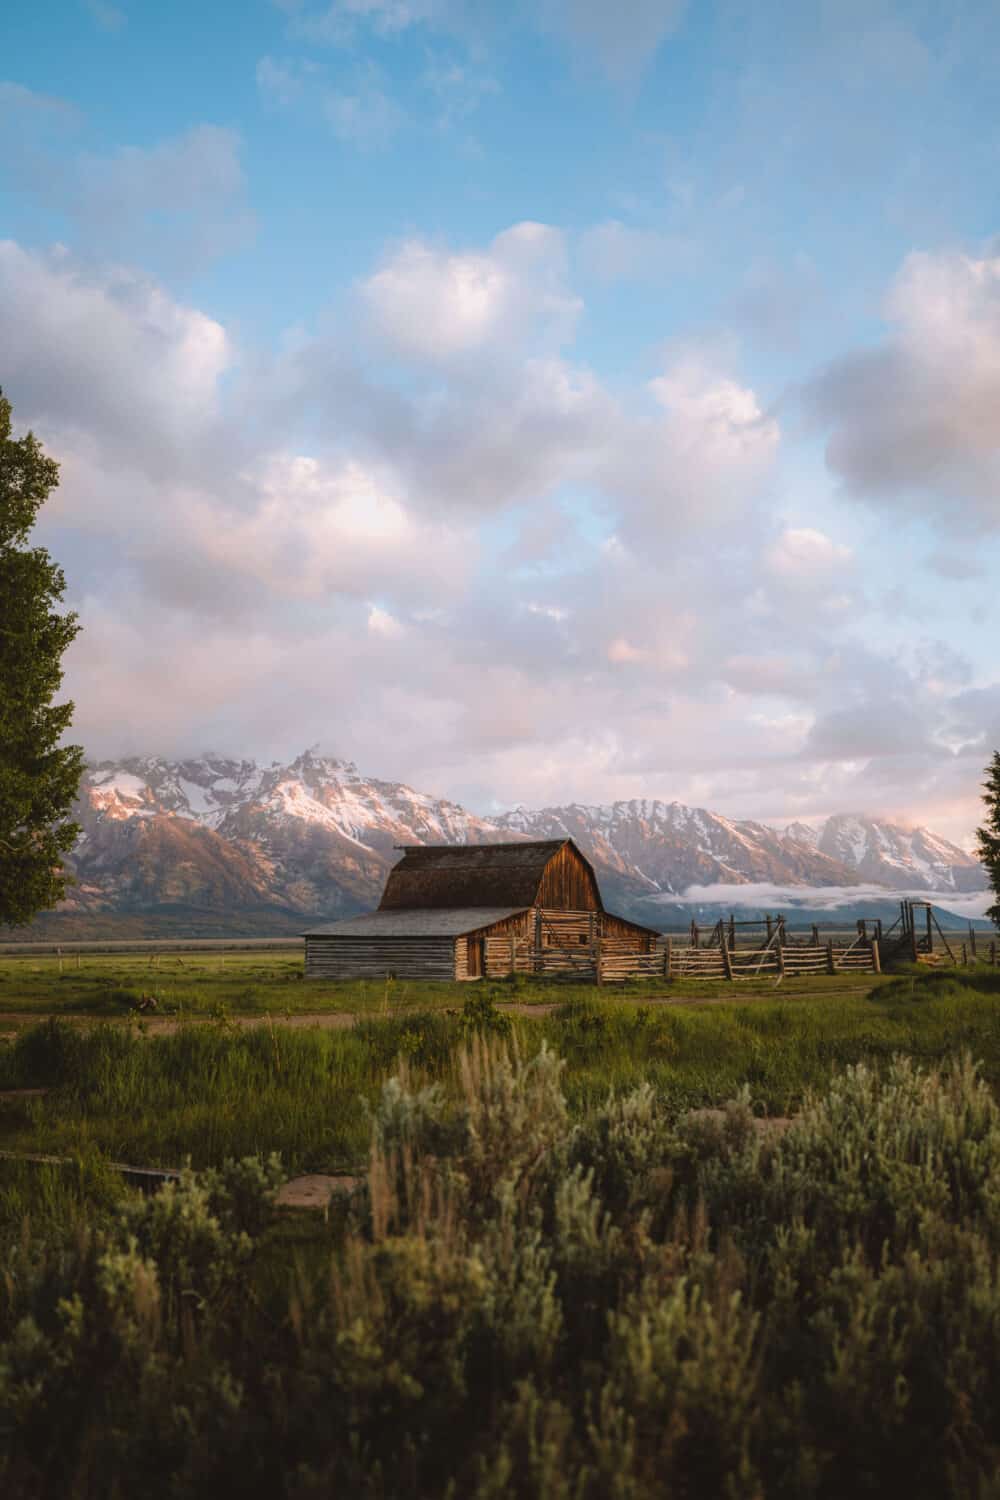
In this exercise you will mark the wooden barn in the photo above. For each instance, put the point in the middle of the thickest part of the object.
(468, 911)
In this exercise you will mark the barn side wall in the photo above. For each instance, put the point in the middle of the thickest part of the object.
(626, 936)
(374, 958)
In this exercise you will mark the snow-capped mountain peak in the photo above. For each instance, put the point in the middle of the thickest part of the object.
(318, 836)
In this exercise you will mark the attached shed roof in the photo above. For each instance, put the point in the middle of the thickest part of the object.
(448, 922)
(465, 875)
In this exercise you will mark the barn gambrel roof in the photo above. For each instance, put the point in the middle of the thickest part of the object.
(463, 875)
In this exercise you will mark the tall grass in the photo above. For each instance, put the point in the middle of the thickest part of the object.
(211, 1091)
(528, 1303)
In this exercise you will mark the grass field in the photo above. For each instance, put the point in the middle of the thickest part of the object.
(210, 1088)
(260, 983)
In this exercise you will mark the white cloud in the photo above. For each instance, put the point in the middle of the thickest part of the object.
(699, 460)
(914, 421)
(828, 898)
(381, 622)
(804, 556)
(109, 355)
(435, 304)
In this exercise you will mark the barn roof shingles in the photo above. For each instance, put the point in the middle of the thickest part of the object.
(464, 875)
(424, 922)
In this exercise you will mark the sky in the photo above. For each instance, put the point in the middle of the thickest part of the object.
(543, 402)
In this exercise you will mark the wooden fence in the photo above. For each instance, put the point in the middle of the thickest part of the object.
(775, 958)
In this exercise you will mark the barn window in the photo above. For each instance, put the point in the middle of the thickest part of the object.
(582, 938)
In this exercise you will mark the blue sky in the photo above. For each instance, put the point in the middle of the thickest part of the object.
(534, 402)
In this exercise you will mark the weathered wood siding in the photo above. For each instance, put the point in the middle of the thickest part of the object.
(540, 941)
(461, 958)
(375, 958)
(633, 939)
(568, 883)
(544, 941)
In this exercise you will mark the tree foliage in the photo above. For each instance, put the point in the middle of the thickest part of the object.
(38, 775)
(988, 836)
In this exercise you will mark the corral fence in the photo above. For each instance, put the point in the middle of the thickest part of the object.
(775, 957)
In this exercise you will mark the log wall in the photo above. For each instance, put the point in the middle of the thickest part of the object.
(375, 958)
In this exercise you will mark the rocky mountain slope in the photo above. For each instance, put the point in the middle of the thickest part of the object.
(274, 844)
(903, 859)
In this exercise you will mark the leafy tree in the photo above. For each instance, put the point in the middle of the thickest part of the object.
(38, 776)
(988, 836)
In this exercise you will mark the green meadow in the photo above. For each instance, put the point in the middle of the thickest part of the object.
(746, 1244)
(205, 984)
(205, 1087)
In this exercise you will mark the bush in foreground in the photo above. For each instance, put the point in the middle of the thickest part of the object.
(524, 1306)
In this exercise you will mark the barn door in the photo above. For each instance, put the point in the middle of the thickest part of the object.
(476, 956)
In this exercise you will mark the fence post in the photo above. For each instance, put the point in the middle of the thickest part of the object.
(780, 952)
(965, 953)
(668, 972)
(876, 960)
(727, 963)
(972, 939)
(830, 966)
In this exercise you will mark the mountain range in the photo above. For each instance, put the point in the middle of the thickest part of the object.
(214, 844)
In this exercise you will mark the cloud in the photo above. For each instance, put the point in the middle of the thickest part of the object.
(913, 421)
(275, 547)
(357, 108)
(699, 458)
(620, 39)
(776, 302)
(886, 725)
(435, 304)
(110, 356)
(108, 17)
(803, 557)
(174, 206)
(458, 88)
(828, 898)
(613, 251)
(183, 201)
(363, 114)
(24, 104)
